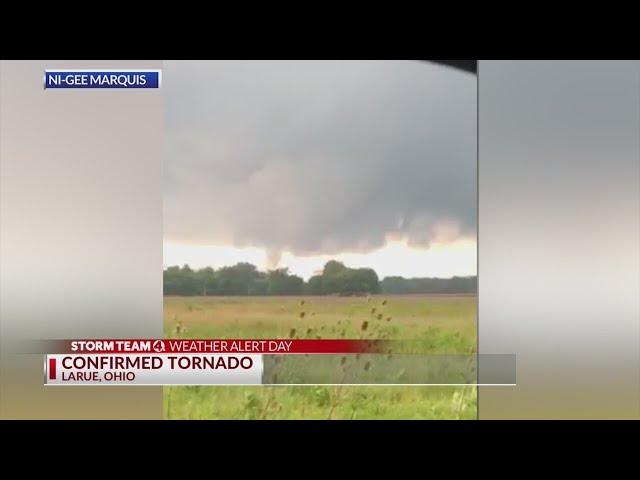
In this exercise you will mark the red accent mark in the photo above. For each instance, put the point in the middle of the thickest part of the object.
(52, 369)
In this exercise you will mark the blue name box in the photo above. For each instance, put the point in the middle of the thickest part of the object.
(136, 79)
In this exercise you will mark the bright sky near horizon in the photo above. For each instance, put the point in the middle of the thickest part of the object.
(444, 260)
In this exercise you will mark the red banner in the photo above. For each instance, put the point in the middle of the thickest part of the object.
(184, 346)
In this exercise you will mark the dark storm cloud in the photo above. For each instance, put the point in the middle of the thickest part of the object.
(318, 157)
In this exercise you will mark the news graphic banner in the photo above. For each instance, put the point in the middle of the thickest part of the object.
(100, 79)
(265, 362)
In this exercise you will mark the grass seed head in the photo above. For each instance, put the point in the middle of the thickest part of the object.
(179, 327)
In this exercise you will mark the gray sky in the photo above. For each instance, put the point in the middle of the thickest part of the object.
(318, 157)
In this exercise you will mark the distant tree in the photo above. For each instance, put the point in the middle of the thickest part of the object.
(333, 267)
(258, 286)
(237, 280)
(180, 281)
(280, 282)
(339, 279)
(400, 285)
(335, 279)
(367, 281)
(208, 281)
(394, 285)
(314, 285)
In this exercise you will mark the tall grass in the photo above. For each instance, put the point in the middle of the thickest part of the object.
(435, 324)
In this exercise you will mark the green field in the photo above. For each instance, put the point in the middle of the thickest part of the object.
(443, 324)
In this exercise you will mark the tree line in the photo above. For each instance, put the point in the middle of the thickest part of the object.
(335, 279)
